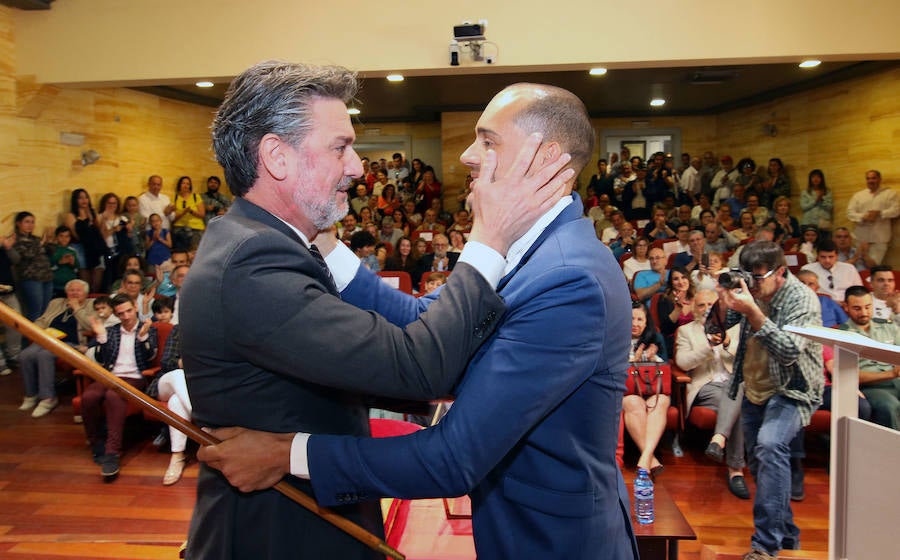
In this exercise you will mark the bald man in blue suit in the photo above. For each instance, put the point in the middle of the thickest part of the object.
(532, 434)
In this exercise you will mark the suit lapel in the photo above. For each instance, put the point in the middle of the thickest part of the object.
(249, 210)
(571, 212)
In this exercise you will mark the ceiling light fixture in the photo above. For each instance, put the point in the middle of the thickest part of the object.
(810, 63)
(353, 111)
(395, 77)
(204, 84)
(597, 71)
(657, 102)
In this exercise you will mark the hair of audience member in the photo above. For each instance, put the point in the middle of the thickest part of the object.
(105, 198)
(670, 286)
(214, 178)
(855, 291)
(827, 246)
(875, 171)
(61, 229)
(133, 272)
(746, 162)
(161, 303)
(778, 161)
(436, 277)
(779, 200)
(119, 299)
(123, 263)
(102, 300)
(818, 173)
(179, 267)
(79, 282)
(648, 335)
(761, 253)
(73, 203)
(361, 239)
(561, 117)
(21, 216)
(806, 274)
(880, 268)
(271, 97)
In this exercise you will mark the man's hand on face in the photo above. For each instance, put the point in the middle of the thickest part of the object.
(250, 460)
(504, 208)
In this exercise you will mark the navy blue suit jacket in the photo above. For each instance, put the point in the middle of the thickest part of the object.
(532, 434)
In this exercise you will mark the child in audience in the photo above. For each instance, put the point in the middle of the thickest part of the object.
(433, 281)
(162, 309)
(103, 309)
(159, 242)
(810, 240)
(63, 261)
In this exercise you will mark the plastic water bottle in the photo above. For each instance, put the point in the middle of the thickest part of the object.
(643, 497)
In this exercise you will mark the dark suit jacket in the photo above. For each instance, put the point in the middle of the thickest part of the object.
(428, 259)
(266, 344)
(107, 354)
(532, 434)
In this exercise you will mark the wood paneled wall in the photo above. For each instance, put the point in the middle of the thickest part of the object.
(135, 134)
(843, 129)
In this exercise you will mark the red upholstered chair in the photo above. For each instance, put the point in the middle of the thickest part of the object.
(790, 244)
(623, 258)
(794, 260)
(398, 279)
(388, 427)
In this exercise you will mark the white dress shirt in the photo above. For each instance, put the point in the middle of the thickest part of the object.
(835, 282)
(885, 200)
(491, 264)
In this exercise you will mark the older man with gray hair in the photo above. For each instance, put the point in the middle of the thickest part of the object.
(268, 342)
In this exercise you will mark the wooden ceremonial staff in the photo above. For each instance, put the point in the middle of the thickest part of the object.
(78, 360)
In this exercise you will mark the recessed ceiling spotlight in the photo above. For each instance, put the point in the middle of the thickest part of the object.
(657, 102)
(353, 111)
(597, 71)
(810, 63)
(395, 77)
(204, 84)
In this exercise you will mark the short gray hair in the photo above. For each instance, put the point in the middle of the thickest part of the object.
(561, 117)
(271, 97)
(79, 282)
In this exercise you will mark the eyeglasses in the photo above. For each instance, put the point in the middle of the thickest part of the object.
(761, 277)
(830, 282)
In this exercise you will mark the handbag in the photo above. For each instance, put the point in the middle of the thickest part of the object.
(648, 378)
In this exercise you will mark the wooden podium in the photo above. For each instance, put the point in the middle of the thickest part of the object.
(864, 497)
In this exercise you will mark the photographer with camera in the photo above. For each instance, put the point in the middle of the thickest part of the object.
(782, 377)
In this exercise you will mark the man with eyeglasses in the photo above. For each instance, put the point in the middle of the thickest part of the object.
(782, 378)
(834, 276)
(648, 282)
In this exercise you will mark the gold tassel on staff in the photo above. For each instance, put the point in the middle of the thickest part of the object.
(78, 360)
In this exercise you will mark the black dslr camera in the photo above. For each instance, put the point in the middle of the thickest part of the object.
(731, 279)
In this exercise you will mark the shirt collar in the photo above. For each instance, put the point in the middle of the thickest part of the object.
(521, 245)
(295, 230)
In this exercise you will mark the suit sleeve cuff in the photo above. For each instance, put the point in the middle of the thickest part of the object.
(299, 458)
(343, 265)
(487, 261)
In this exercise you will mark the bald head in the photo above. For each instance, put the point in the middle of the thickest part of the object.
(556, 113)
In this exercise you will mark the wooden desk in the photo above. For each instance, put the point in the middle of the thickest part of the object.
(420, 529)
(659, 540)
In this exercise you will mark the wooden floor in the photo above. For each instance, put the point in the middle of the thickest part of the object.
(53, 503)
